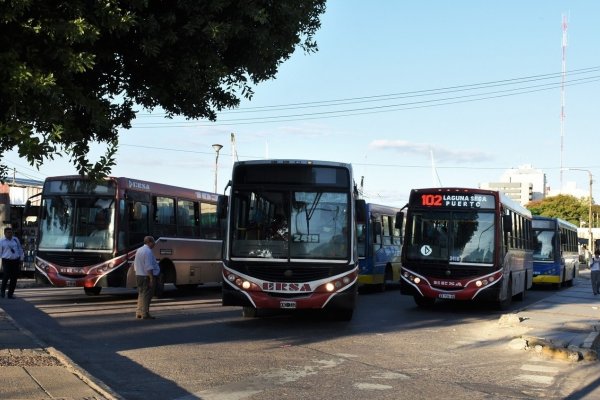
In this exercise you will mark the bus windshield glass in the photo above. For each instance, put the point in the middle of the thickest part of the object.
(290, 224)
(77, 223)
(543, 249)
(452, 236)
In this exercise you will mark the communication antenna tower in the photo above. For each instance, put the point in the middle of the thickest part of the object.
(562, 94)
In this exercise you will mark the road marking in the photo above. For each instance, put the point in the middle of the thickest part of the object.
(539, 368)
(259, 383)
(372, 386)
(541, 379)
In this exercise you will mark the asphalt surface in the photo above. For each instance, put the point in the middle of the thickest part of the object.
(565, 326)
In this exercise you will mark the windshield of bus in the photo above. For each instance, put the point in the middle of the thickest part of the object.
(543, 245)
(71, 223)
(282, 225)
(456, 237)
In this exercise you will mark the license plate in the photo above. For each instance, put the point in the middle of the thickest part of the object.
(70, 283)
(287, 304)
(446, 296)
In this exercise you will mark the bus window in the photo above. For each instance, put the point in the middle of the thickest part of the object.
(186, 218)
(138, 223)
(164, 216)
(209, 223)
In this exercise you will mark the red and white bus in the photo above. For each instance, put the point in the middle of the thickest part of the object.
(466, 244)
(89, 232)
(291, 240)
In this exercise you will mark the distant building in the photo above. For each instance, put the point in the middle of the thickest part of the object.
(523, 184)
(518, 191)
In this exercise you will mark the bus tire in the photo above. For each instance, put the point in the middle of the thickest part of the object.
(569, 283)
(249, 312)
(521, 296)
(503, 305)
(92, 291)
(159, 288)
(424, 302)
(186, 288)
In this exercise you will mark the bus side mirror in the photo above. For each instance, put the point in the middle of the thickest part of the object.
(399, 220)
(361, 207)
(507, 223)
(222, 207)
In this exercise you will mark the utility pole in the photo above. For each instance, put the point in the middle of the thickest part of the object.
(562, 94)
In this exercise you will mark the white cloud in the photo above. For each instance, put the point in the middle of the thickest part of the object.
(441, 154)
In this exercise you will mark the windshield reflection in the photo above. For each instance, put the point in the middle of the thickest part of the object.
(77, 224)
(457, 237)
(282, 225)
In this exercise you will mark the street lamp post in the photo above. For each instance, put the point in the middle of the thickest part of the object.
(218, 148)
(590, 243)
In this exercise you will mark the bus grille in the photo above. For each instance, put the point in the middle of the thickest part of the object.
(442, 272)
(73, 259)
(292, 275)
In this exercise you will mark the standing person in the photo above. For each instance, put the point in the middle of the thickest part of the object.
(12, 258)
(586, 254)
(146, 273)
(595, 271)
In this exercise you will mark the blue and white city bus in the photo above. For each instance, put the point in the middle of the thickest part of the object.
(555, 254)
(379, 244)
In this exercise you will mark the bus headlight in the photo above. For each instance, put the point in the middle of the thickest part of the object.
(417, 280)
(246, 285)
(330, 287)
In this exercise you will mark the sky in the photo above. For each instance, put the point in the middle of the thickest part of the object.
(413, 94)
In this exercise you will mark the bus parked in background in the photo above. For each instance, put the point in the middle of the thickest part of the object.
(466, 244)
(556, 252)
(291, 240)
(89, 232)
(379, 243)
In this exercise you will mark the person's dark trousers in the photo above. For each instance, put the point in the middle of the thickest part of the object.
(10, 273)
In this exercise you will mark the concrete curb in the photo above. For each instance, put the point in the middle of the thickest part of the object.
(69, 364)
(559, 352)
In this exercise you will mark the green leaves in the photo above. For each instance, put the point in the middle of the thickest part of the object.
(73, 70)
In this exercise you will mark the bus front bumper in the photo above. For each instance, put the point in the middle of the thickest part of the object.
(414, 284)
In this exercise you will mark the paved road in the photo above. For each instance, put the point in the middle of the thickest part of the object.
(199, 349)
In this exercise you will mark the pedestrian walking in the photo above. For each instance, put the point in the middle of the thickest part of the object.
(12, 258)
(146, 273)
(595, 271)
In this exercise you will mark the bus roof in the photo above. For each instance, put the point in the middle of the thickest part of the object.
(293, 162)
(147, 186)
(561, 222)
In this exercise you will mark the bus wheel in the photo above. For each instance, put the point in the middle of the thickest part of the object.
(569, 283)
(424, 302)
(388, 276)
(92, 291)
(249, 312)
(159, 288)
(186, 288)
(521, 296)
(504, 304)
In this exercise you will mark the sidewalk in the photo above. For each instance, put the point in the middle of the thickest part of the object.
(32, 370)
(566, 324)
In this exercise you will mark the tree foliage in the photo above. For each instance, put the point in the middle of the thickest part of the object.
(72, 71)
(566, 207)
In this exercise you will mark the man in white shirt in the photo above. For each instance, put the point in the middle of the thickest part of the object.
(12, 258)
(146, 272)
(595, 271)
